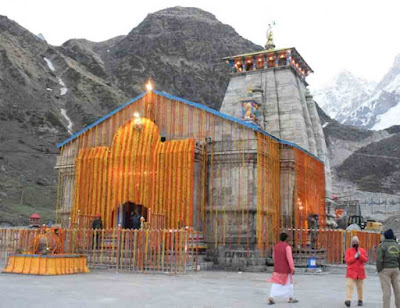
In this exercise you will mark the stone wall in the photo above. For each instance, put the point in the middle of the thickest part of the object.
(232, 198)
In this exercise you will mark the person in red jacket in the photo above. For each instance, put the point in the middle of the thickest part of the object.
(355, 257)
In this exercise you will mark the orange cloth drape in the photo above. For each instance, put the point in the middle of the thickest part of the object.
(138, 167)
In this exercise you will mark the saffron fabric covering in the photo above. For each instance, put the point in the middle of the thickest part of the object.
(115, 161)
(268, 193)
(138, 167)
(33, 264)
(310, 189)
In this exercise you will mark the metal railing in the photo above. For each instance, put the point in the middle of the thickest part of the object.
(166, 250)
(329, 246)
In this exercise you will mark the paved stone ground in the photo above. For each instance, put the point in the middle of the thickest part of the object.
(202, 289)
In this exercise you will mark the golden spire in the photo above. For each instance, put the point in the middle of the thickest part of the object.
(270, 38)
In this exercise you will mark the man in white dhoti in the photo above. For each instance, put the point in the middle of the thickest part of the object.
(282, 277)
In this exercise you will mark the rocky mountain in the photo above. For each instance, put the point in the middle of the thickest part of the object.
(49, 92)
(354, 101)
(179, 48)
(365, 164)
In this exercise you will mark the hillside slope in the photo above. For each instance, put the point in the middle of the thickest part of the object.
(47, 92)
(44, 97)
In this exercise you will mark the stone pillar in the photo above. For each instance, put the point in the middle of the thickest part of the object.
(232, 65)
(276, 59)
(288, 57)
(265, 61)
(287, 185)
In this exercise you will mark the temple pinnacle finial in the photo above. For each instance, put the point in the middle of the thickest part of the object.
(270, 37)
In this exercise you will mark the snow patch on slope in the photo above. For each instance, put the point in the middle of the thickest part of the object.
(394, 86)
(70, 124)
(50, 64)
(63, 89)
(388, 119)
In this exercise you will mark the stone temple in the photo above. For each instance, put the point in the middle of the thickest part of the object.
(238, 176)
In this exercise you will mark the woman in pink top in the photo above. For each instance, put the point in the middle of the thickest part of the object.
(282, 277)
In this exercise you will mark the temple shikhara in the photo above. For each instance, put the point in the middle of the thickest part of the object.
(237, 175)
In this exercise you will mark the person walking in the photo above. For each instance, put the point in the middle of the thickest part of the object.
(355, 258)
(282, 277)
(387, 265)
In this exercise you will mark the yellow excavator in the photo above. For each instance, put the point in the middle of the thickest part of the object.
(369, 225)
(373, 225)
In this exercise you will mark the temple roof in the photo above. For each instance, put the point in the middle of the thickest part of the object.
(197, 105)
(272, 51)
(258, 53)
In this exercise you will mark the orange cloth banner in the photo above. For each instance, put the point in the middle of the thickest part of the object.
(139, 168)
(310, 189)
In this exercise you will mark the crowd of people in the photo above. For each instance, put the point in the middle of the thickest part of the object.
(387, 266)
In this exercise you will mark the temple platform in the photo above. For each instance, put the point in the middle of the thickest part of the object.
(34, 264)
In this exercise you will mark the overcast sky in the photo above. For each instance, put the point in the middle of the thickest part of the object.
(360, 36)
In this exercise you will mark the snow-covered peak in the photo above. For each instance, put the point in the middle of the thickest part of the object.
(356, 101)
(344, 94)
(41, 36)
(389, 82)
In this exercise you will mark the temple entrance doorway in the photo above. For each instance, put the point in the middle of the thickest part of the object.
(127, 210)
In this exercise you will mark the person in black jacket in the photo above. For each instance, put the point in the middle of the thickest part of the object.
(388, 267)
(135, 218)
(97, 225)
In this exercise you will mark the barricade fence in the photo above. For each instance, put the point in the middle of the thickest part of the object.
(167, 250)
(329, 246)
(176, 250)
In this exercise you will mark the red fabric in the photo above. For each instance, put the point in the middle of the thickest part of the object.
(35, 216)
(281, 264)
(355, 267)
(282, 278)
